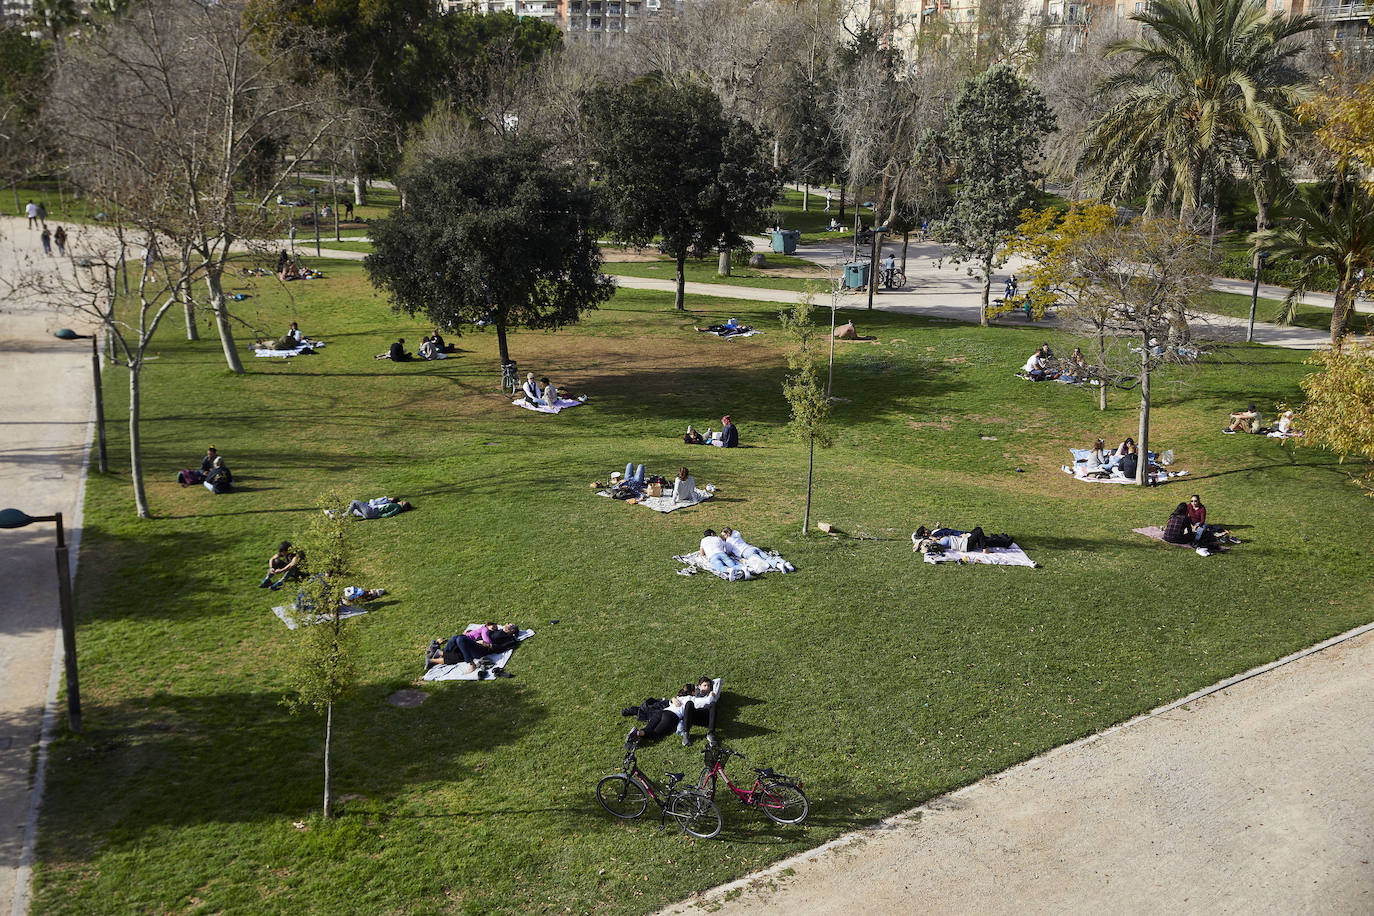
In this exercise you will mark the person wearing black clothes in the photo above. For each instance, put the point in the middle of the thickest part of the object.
(728, 437)
(396, 352)
(1130, 463)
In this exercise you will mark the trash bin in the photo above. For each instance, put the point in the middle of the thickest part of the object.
(785, 240)
(856, 275)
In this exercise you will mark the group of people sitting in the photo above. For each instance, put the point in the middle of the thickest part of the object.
(938, 540)
(1187, 525)
(472, 645)
(694, 704)
(542, 393)
(635, 484)
(727, 437)
(1124, 459)
(293, 339)
(1042, 366)
(734, 558)
(1250, 420)
(432, 347)
(213, 473)
(289, 268)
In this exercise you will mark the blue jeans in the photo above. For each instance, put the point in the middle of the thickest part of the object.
(723, 562)
(634, 474)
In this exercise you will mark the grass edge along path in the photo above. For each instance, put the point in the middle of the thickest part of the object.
(880, 680)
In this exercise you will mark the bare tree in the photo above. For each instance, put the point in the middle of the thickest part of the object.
(163, 112)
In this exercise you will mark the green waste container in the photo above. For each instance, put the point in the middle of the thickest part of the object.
(785, 240)
(856, 275)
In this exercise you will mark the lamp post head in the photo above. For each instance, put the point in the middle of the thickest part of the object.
(314, 192)
(14, 518)
(69, 334)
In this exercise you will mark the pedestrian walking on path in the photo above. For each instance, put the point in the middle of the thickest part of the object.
(46, 239)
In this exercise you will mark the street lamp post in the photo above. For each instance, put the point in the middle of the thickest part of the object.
(69, 334)
(315, 216)
(14, 518)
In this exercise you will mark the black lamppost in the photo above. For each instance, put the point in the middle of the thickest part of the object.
(1254, 295)
(315, 216)
(69, 334)
(13, 518)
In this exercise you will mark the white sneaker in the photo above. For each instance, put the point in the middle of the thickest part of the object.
(788, 567)
(1203, 552)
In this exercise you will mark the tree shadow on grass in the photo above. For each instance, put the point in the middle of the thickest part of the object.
(240, 756)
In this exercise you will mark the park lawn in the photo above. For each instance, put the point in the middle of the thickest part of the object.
(705, 270)
(348, 245)
(880, 680)
(63, 205)
(1237, 305)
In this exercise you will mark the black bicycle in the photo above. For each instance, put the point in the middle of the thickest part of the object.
(510, 378)
(627, 794)
(893, 278)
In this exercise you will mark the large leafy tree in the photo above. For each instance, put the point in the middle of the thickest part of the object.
(1210, 82)
(1338, 413)
(1339, 235)
(994, 135)
(678, 170)
(500, 236)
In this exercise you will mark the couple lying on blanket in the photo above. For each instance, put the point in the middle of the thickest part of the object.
(474, 644)
(942, 539)
(731, 557)
(695, 704)
(731, 328)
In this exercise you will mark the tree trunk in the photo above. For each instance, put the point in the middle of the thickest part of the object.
(987, 289)
(221, 312)
(1340, 309)
(359, 198)
(184, 294)
(906, 243)
(840, 218)
(501, 346)
(678, 298)
(724, 267)
(334, 190)
(328, 740)
(1102, 361)
(873, 267)
(135, 443)
(810, 469)
(1142, 471)
(806, 196)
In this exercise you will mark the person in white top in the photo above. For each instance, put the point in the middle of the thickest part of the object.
(1035, 367)
(754, 559)
(718, 557)
(531, 389)
(684, 487)
(699, 709)
(31, 211)
(1286, 423)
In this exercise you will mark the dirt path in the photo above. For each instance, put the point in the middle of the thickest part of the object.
(1258, 798)
(44, 429)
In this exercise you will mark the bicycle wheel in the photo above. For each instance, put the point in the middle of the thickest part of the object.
(899, 280)
(696, 814)
(783, 802)
(622, 795)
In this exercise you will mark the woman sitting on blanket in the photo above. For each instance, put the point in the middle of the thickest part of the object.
(1179, 530)
(750, 555)
(684, 487)
(695, 704)
(1099, 458)
(1197, 517)
(470, 645)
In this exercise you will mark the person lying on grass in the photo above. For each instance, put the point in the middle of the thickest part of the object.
(354, 597)
(963, 541)
(694, 704)
(381, 507)
(287, 564)
(478, 642)
(747, 553)
(718, 557)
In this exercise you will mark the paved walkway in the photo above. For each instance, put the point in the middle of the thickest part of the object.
(1258, 798)
(44, 433)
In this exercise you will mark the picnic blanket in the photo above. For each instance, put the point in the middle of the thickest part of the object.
(293, 618)
(726, 332)
(563, 404)
(1080, 470)
(691, 562)
(996, 556)
(665, 503)
(1157, 533)
(456, 672)
(305, 345)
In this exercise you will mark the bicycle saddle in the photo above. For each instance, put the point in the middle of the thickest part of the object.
(675, 777)
(765, 772)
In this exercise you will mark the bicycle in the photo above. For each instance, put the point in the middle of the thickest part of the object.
(894, 278)
(626, 795)
(510, 379)
(779, 797)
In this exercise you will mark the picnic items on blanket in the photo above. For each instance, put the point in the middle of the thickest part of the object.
(665, 503)
(293, 617)
(1155, 532)
(1111, 473)
(731, 328)
(486, 665)
(935, 552)
(306, 347)
(561, 405)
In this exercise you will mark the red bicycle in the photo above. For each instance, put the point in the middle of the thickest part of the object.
(779, 797)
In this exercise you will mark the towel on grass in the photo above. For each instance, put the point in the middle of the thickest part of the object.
(665, 503)
(456, 672)
(726, 332)
(997, 556)
(285, 614)
(563, 404)
(305, 345)
(691, 562)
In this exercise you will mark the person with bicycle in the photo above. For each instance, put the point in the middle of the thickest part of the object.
(890, 270)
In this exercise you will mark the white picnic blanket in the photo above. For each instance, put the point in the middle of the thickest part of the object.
(996, 556)
(691, 562)
(563, 404)
(305, 345)
(456, 672)
(666, 503)
(1080, 471)
(292, 618)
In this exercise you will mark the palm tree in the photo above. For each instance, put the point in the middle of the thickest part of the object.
(1212, 80)
(1340, 235)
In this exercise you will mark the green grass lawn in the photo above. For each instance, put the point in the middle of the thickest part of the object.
(1309, 316)
(880, 680)
(706, 271)
(345, 245)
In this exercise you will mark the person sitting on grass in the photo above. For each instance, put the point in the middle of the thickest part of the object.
(287, 564)
(1129, 463)
(1285, 425)
(294, 334)
(533, 394)
(1076, 370)
(219, 479)
(381, 507)
(1099, 458)
(739, 547)
(437, 339)
(551, 394)
(1248, 420)
(684, 487)
(1197, 517)
(1038, 367)
(1179, 530)
(478, 642)
(430, 350)
(718, 557)
(396, 352)
(728, 437)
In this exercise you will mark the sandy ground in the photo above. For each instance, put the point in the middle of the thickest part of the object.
(1258, 798)
(45, 409)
